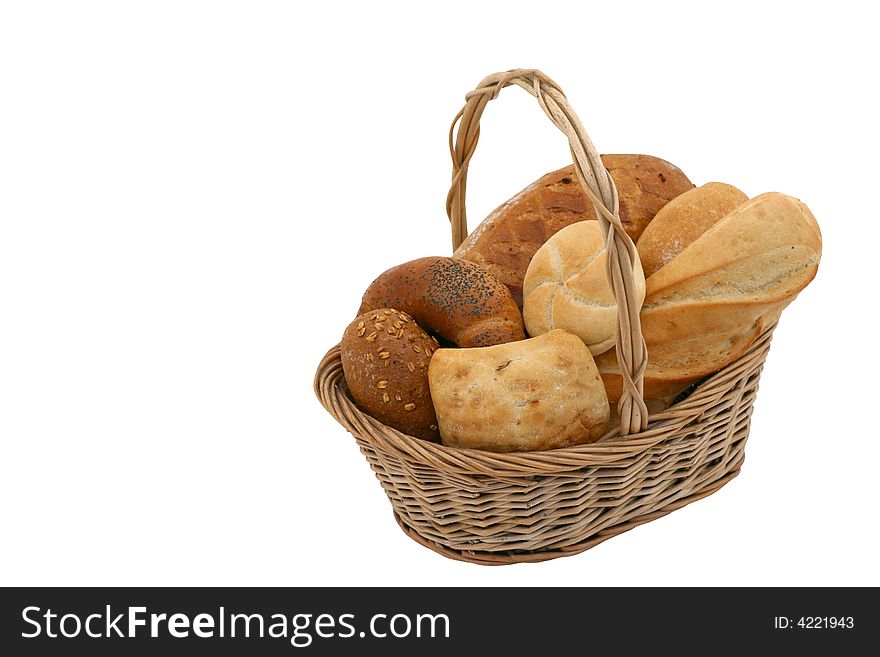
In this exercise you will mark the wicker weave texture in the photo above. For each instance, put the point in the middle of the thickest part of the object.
(494, 509)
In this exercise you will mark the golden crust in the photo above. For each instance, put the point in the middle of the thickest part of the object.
(684, 219)
(539, 393)
(566, 287)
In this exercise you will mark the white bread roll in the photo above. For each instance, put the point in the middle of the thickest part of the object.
(538, 393)
(566, 287)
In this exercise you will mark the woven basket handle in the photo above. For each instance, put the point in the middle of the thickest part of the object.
(596, 182)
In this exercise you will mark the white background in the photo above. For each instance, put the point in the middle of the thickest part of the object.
(193, 197)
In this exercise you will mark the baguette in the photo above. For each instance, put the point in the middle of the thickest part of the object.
(673, 366)
(684, 219)
(708, 304)
(753, 261)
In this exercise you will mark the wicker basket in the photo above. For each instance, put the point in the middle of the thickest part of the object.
(492, 509)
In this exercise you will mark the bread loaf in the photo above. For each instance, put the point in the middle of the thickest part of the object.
(506, 240)
(684, 219)
(675, 365)
(385, 357)
(538, 393)
(754, 260)
(455, 299)
(706, 306)
(566, 287)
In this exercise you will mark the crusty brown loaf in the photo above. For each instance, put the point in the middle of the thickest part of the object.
(706, 306)
(566, 287)
(385, 357)
(684, 219)
(539, 393)
(455, 299)
(507, 239)
(644, 185)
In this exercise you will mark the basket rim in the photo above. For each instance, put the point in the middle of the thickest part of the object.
(467, 461)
